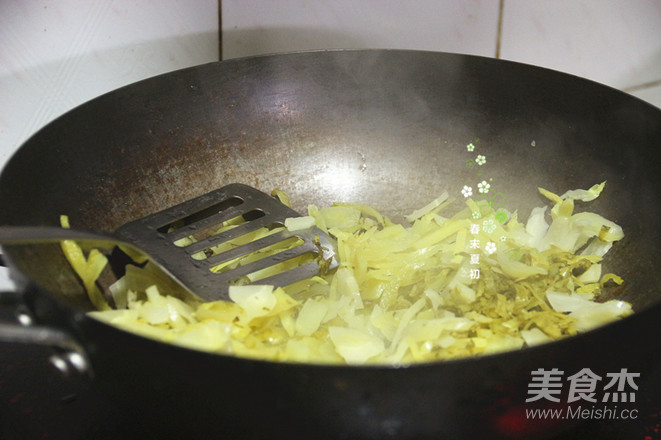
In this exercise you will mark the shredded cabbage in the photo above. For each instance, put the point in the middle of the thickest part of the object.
(402, 293)
(88, 268)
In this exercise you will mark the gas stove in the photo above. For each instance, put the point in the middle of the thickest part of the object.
(6, 284)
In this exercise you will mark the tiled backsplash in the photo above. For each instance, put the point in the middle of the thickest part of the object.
(614, 42)
(56, 54)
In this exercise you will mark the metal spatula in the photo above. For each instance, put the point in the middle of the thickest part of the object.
(184, 241)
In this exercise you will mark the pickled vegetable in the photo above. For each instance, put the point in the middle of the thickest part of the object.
(436, 288)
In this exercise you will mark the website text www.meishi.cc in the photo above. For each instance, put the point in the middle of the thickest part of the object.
(582, 413)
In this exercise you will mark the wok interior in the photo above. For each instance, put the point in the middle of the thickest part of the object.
(385, 128)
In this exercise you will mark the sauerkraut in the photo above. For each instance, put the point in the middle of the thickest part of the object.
(472, 283)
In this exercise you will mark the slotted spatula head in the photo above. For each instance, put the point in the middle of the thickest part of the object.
(233, 235)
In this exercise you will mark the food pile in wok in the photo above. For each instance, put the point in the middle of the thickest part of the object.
(478, 281)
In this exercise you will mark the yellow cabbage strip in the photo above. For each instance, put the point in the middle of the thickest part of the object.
(88, 269)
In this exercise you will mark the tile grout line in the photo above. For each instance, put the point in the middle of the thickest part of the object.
(220, 30)
(499, 34)
(499, 27)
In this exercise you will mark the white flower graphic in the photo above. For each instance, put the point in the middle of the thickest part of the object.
(480, 159)
(503, 238)
(483, 187)
(467, 191)
(490, 248)
(488, 226)
(470, 147)
(476, 214)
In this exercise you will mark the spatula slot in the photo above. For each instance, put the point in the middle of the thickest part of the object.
(247, 225)
(215, 247)
(197, 216)
(279, 269)
(250, 254)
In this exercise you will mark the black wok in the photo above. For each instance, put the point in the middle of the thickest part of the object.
(387, 128)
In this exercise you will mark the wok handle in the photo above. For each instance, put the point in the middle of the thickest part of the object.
(68, 356)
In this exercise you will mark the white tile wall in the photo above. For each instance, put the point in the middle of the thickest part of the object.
(616, 42)
(56, 54)
(252, 27)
